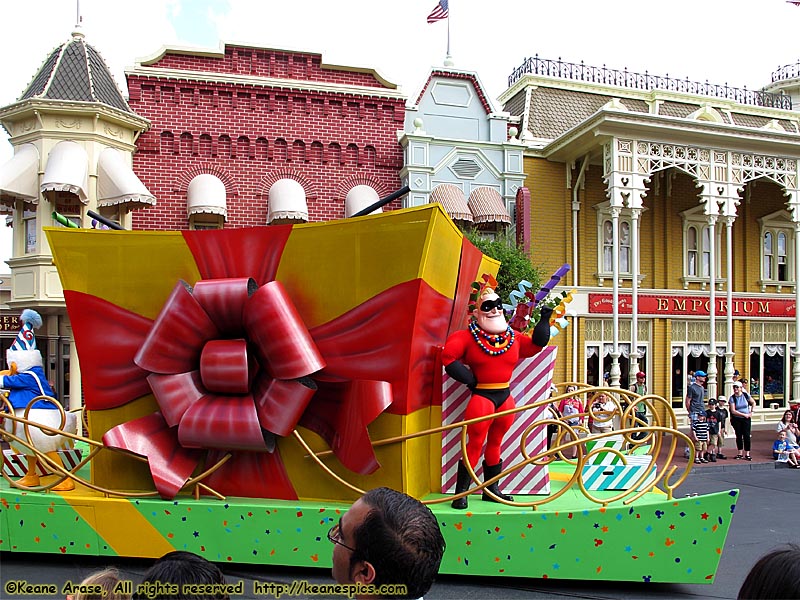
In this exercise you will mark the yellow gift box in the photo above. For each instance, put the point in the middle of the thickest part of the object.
(327, 269)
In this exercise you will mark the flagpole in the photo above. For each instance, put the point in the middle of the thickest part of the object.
(448, 61)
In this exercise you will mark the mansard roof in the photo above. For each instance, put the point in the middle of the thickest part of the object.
(553, 97)
(75, 71)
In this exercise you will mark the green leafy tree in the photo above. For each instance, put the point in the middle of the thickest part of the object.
(514, 263)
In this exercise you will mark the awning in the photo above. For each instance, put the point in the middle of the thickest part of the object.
(452, 200)
(206, 194)
(18, 177)
(487, 206)
(287, 201)
(118, 184)
(67, 170)
(359, 198)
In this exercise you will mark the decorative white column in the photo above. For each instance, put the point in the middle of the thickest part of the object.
(625, 175)
(634, 354)
(796, 369)
(793, 204)
(712, 309)
(615, 371)
(729, 353)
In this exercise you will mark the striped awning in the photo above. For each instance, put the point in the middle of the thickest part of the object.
(487, 206)
(452, 200)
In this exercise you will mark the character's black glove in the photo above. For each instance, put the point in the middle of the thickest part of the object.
(541, 333)
(460, 372)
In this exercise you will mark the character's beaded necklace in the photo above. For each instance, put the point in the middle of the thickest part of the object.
(492, 344)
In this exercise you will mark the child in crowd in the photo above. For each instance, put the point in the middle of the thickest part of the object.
(713, 420)
(700, 429)
(781, 451)
(722, 409)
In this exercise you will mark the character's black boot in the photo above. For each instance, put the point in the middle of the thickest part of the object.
(462, 485)
(490, 471)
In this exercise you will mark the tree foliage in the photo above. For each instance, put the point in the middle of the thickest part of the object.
(514, 263)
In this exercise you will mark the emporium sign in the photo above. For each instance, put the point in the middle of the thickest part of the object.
(667, 305)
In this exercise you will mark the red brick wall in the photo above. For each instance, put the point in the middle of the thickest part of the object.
(250, 135)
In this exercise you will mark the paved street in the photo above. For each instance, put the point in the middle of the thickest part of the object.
(761, 522)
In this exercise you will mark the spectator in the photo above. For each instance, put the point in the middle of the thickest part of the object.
(179, 569)
(387, 537)
(787, 425)
(722, 409)
(571, 408)
(775, 575)
(782, 452)
(755, 390)
(713, 420)
(641, 408)
(741, 405)
(601, 411)
(772, 385)
(700, 431)
(106, 582)
(695, 402)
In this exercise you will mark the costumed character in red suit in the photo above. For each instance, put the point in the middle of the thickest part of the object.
(25, 380)
(483, 357)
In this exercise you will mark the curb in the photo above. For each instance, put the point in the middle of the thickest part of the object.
(735, 468)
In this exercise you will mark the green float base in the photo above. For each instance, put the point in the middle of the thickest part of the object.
(652, 540)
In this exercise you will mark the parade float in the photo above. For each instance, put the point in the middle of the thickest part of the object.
(242, 387)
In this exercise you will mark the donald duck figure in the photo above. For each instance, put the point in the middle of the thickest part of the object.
(25, 381)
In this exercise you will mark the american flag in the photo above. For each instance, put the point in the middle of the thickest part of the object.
(439, 12)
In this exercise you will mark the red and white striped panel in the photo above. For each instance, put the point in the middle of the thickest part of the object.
(529, 383)
(16, 465)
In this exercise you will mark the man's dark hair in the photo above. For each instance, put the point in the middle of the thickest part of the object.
(400, 538)
(775, 575)
(180, 568)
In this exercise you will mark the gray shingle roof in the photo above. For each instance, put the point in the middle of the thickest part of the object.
(75, 71)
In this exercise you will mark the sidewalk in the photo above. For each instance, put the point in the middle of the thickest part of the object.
(761, 440)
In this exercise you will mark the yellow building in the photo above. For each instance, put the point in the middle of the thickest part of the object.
(675, 203)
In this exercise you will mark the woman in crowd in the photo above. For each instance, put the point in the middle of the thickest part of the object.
(788, 425)
(572, 408)
(741, 406)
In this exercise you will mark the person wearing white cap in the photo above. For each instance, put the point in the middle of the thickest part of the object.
(25, 381)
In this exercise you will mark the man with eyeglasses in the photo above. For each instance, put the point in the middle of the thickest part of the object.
(483, 357)
(390, 541)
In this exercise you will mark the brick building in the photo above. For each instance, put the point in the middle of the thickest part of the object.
(244, 118)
